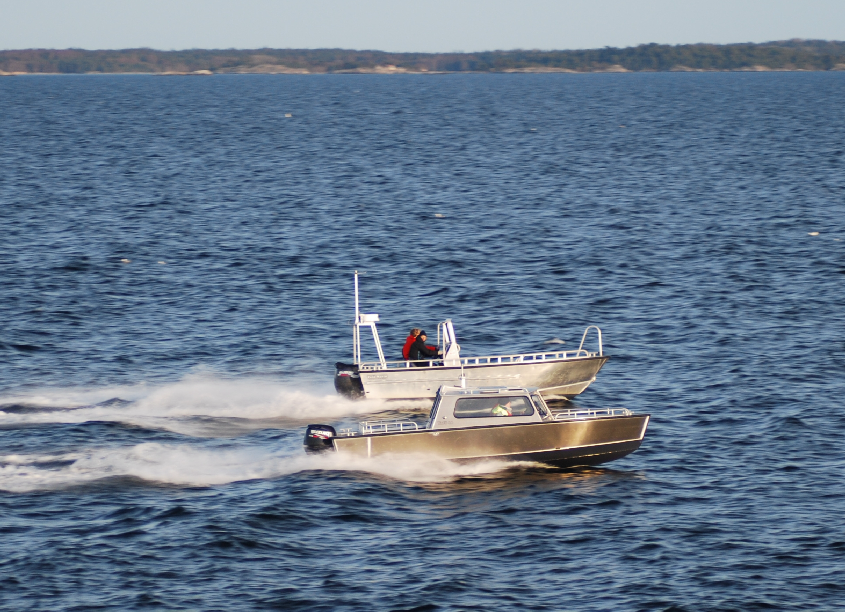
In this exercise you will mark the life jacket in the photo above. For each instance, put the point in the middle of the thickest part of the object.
(501, 410)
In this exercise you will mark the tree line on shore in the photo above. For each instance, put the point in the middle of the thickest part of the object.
(781, 55)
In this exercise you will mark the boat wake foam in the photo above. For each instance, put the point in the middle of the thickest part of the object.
(183, 407)
(188, 465)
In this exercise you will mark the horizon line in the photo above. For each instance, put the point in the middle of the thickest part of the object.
(513, 50)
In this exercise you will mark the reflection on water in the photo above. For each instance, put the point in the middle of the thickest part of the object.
(527, 479)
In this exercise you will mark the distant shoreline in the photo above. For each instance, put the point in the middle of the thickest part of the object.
(411, 72)
(754, 69)
(779, 56)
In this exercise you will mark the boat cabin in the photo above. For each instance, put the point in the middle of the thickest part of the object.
(458, 408)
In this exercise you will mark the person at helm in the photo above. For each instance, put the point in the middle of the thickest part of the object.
(420, 352)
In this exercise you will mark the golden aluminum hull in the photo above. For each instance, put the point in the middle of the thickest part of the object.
(559, 443)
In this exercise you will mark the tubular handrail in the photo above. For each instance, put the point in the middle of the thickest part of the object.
(484, 360)
(372, 427)
(584, 337)
(579, 414)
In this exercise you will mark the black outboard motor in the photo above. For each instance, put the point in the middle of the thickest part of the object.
(347, 380)
(318, 438)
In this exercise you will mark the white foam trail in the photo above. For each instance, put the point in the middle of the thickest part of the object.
(173, 406)
(194, 466)
(74, 397)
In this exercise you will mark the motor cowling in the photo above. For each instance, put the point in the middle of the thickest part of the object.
(347, 380)
(318, 438)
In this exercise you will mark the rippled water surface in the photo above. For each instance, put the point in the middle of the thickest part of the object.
(175, 286)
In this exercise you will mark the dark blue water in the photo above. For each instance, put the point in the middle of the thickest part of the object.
(151, 411)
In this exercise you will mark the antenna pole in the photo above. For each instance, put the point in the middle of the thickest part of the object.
(356, 337)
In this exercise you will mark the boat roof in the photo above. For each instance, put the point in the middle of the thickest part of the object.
(455, 390)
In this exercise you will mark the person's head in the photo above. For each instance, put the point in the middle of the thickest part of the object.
(416, 331)
(422, 335)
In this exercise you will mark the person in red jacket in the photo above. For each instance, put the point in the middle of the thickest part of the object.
(409, 341)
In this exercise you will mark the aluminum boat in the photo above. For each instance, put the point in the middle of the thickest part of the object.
(557, 374)
(506, 423)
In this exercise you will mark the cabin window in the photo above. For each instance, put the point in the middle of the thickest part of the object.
(495, 406)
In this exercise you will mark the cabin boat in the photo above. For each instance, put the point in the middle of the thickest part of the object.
(557, 374)
(504, 423)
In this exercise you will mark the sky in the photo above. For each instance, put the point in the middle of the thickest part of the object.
(421, 25)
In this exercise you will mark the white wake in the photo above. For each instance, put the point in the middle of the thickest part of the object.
(185, 406)
(189, 465)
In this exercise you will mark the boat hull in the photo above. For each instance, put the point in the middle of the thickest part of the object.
(558, 443)
(553, 378)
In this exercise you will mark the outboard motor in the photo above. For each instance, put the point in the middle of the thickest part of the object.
(318, 438)
(347, 381)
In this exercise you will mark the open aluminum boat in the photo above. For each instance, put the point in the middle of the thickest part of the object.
(558, 374)
(506, 423)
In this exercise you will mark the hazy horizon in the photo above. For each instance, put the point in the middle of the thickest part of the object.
(463, 26)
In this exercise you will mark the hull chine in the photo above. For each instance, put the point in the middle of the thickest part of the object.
(583, 457)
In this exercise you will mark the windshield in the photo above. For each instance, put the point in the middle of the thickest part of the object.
(541, 405)
(433, 412)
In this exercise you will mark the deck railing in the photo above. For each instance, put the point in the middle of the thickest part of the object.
(581, 413)
(374, 427)
(485, 360)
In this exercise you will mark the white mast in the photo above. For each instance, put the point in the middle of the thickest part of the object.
(370, 321)
(356, 334)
